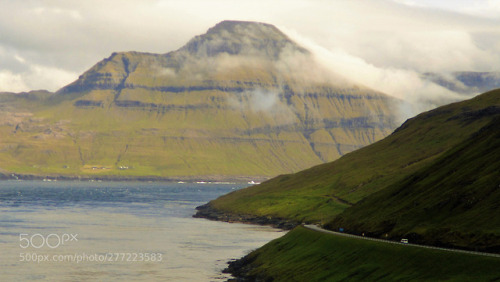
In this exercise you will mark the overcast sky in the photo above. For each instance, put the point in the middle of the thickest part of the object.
(383, 44)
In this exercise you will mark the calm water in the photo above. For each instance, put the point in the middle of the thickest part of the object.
(91, 231)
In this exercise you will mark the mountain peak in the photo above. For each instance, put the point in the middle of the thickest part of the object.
(241, 38)
(245, 28)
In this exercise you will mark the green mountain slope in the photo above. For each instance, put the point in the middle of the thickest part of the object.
(306, 255)
(454, 201)
(320, 193)
(241, 100)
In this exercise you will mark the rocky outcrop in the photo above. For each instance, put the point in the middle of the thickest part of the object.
(87, 103)
(208, 212)
(241, 268)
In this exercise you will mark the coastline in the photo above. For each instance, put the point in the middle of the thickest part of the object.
(208, 212)
(241, 268)
(192, 179)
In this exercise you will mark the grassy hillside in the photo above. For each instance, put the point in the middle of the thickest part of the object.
(320, 193)
(200, 134)
(305, 255)
(454, 201)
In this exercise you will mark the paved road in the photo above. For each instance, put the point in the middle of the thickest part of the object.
(319, 229)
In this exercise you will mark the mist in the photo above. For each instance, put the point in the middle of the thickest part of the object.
(415, 93)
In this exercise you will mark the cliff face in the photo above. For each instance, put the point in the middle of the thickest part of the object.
(242, 99)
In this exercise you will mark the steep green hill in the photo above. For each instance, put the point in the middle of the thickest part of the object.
(321, 193)
(454, 201)
(306, 255)
(241, 100)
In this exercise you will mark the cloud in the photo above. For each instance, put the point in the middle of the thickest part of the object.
(163, 71)
(257, 100)
(51, 12)
(48, 77)
(263, 100)
(264, 103)
(416, 93)
(483, 8)
(24, 75)
(12, 82)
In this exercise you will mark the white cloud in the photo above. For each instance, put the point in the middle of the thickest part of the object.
(404, 84)
(33, 77)
(483, 8)
(263, 101)
(50, 12)
(43, 77)
(11, 82)
(19, 59)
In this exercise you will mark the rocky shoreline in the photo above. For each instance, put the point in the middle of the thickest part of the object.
(240, 268)
(205, 179)
(208, 212)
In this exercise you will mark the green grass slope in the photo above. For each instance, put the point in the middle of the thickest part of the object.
(454, 201)
(322, 192)
(306, 255)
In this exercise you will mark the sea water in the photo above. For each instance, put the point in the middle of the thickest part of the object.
(117, 231)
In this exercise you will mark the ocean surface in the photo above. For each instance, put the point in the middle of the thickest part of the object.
(117, 231)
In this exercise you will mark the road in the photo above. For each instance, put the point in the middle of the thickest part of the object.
(319, 229)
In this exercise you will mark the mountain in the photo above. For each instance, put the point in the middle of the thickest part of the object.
(435, 179)
(466, 82)
(241, 100)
